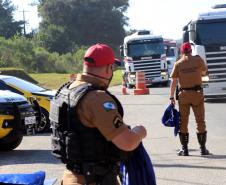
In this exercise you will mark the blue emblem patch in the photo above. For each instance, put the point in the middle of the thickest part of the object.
(109, 106)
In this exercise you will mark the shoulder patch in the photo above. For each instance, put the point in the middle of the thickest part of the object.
(109, 106)
(117, 122)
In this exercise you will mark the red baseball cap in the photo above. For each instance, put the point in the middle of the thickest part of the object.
(185, 48)
(99, 55)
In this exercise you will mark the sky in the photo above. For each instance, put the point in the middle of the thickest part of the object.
(162, 17)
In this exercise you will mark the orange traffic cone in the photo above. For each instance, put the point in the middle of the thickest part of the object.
(124, 87)
(140, 84)
(73, 77)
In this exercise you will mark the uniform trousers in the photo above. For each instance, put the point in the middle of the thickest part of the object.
(71, 178)
(195, 100)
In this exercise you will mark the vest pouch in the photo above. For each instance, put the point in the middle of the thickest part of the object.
(73, 147)
(57, 141)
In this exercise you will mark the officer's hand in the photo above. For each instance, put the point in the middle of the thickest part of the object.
(140, 130)
(173, 102)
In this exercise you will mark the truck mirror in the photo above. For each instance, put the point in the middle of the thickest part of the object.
(185, 28)
(186, 36)
(121, 51)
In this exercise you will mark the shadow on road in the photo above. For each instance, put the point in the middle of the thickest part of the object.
(189, 166)
(27, 157)
(215, 100)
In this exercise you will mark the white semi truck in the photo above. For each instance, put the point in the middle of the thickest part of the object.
(171, 51)
(207, 34)
(144, 52)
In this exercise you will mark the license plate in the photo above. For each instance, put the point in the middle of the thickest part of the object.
(29, 120)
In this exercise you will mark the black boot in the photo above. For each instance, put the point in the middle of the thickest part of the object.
(184, 138)
(202, 141)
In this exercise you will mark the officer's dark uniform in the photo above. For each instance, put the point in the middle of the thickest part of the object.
(96, 120)
(189, 71)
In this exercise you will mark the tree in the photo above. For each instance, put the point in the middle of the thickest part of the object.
(8, 27)
(85, 22)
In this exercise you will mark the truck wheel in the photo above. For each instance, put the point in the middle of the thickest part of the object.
(11, 141)
(165, 84)
(129, 86)
(44, 124)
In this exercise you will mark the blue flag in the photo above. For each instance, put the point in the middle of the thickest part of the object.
(36, 178)
(138, 169)
(171, 118)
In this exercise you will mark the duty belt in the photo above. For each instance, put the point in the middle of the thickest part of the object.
(97, 168)
(92, 171)
(197, 88)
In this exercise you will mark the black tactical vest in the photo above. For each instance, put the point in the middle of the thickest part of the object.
(73, 142)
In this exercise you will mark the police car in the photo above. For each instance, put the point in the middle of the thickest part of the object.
(31, 92)
(16, 116)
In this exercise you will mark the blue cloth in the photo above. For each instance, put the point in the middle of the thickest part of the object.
(36, 178)
(138, 169)
(171, 118)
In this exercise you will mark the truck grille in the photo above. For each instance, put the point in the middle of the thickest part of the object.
(216, 63)
(152, 68)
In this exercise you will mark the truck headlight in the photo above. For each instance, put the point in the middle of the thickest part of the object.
(163, 74)
(205, 78)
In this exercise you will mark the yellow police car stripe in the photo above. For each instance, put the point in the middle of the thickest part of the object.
(5, 131)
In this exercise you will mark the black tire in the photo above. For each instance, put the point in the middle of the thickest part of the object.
(165, 84)
(129, 86)
(44, 125)
(11, 141)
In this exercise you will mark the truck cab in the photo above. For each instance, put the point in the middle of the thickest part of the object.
(144, 52)
(171, 51)
(206, 33)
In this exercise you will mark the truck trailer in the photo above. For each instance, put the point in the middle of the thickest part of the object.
(207, 35)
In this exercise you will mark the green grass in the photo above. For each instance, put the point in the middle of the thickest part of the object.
(55, 80)
(51, 80)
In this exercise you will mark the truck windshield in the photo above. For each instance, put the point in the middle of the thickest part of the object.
(145, 48)
(211, 32)
(170, 52)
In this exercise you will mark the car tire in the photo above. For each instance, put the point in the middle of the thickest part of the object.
(11, 141)
(44, 124)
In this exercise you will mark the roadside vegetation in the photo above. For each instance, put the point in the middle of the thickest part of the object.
(56, 49)
(55, 80)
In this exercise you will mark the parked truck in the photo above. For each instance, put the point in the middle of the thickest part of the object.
(207, 34)
(143, 51)
(171, 51)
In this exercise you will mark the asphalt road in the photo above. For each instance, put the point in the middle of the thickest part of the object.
(34, 152)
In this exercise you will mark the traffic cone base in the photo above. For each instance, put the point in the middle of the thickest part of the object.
(141, 91)
(140, 84)
(124, 92)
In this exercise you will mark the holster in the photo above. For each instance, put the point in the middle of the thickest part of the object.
(100, 174)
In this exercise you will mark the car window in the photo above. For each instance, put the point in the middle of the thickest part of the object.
(4, 86)
(22, 84)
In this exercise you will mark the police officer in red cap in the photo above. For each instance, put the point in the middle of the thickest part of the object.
(89, 134)
(188, 72)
